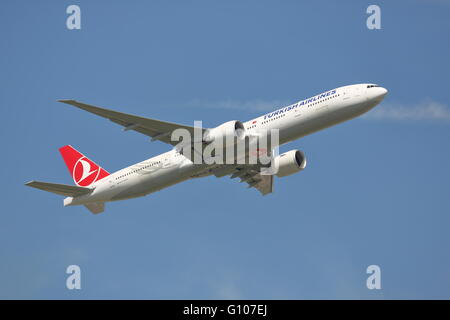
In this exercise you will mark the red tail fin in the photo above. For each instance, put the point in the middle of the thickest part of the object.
(83, 170)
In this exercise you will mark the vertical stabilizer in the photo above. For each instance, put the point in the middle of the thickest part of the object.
(84, 171)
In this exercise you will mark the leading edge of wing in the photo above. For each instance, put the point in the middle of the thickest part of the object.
(156, 129)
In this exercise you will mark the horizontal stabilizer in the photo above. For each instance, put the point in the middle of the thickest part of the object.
(62, 189)
(96, 207)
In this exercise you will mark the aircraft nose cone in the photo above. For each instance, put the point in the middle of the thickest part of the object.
(376, 94)
(381, 93)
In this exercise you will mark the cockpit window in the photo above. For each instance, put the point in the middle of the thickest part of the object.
(372, 86)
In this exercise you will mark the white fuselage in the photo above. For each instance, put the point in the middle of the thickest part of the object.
(293, 122)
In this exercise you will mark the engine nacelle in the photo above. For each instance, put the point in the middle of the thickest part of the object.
(289, 163)
(228, 131)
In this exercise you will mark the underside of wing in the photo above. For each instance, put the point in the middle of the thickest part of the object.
(61, 189)
(264, 184)
(254, 179)
(249, 174)
(156, 129)
(96, 207)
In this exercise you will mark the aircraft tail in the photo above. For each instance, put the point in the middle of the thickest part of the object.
(61, 189)
(83, 170)
(84, 173)
(96, 207)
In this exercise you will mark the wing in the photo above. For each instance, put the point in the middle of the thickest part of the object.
(247, 173)
(263, 183)
(62, 189)
(156, 129)
(254, 179)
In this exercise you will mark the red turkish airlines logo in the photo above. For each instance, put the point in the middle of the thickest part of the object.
(85, 172)
(259, 152)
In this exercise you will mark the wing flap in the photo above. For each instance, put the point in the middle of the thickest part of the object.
(249, 174)
(61, 189)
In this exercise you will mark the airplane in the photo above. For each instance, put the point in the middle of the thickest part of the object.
(94, 186)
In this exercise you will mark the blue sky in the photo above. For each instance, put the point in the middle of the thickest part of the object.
(376, 189)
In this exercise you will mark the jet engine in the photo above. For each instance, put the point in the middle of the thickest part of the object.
(228, 131)
(289, 163)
